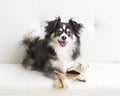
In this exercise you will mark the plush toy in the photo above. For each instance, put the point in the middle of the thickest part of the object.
(73, 73)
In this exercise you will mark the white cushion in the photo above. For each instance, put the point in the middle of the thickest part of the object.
(101, 79)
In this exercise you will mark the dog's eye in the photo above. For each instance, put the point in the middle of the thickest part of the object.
(59, 32)
(69, 34)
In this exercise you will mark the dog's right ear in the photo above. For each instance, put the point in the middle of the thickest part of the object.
(52, 24)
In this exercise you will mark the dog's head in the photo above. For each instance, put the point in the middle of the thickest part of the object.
(63, 33)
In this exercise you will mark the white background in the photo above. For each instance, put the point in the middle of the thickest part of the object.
(100, 38)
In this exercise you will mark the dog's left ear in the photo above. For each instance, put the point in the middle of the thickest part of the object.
(76, 26)
(51, 25)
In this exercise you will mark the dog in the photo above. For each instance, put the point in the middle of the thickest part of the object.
(58, 51)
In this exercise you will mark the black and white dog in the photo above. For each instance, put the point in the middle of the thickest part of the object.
(59, 50)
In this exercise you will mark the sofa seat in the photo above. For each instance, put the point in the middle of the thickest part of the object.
(102, 80)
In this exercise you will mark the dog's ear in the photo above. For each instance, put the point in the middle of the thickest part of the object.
(51, 25)
(75, 26)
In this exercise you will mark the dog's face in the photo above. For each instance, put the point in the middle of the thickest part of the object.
(63, 33)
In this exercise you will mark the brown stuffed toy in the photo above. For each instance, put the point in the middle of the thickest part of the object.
(73, 73)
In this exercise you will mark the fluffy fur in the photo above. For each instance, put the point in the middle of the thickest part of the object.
(57, 51)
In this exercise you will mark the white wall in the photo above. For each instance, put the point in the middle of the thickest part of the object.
(107, 31)
(16, 17)
(100, 43)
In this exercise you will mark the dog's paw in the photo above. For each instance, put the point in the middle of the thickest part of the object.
(30, 68)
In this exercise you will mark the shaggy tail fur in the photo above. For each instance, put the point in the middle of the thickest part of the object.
(28, 42)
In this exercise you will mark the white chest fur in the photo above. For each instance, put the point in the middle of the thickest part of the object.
(64, 58)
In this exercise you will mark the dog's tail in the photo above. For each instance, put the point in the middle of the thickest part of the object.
(30, 40)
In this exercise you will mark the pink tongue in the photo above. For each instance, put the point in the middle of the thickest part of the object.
(63, 44)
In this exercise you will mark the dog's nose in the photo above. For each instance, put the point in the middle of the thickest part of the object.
(63, 37)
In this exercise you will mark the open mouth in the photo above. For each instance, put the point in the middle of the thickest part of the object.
(62, 43)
